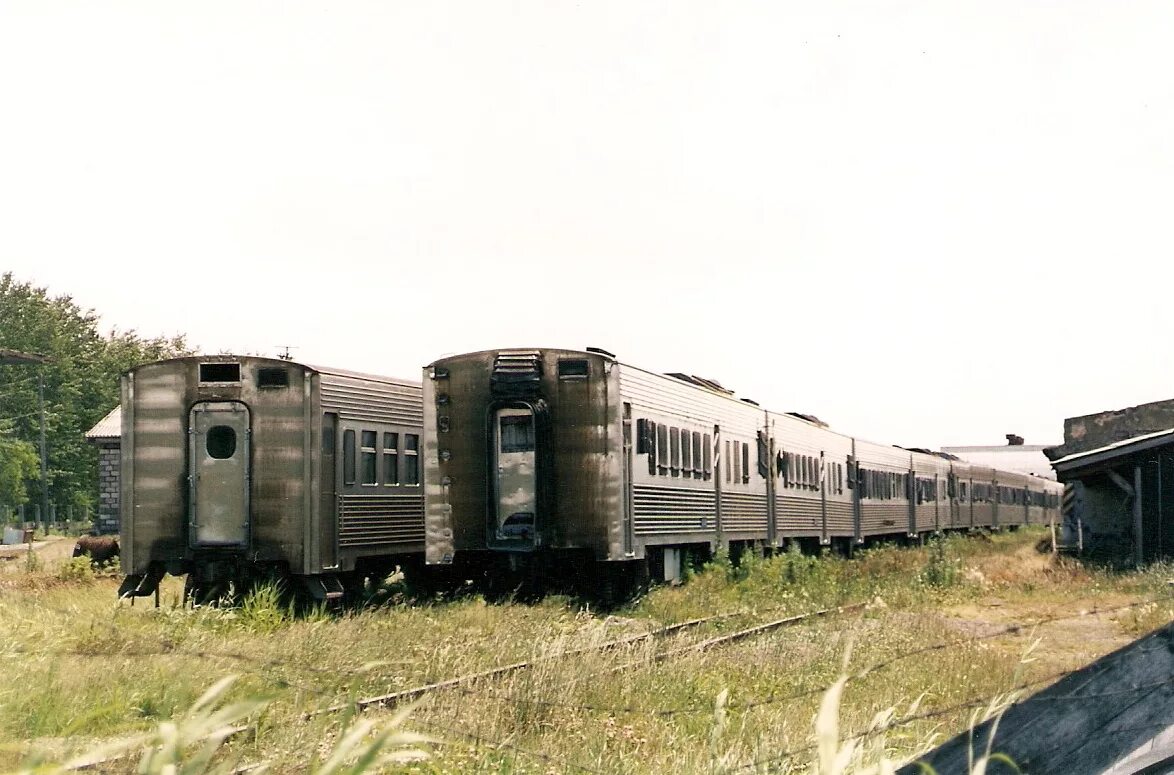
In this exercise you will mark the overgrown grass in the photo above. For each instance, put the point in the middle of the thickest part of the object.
(92, 669)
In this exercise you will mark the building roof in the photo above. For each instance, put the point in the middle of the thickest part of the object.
(1110, 452)
(8, 357)
(109, 427)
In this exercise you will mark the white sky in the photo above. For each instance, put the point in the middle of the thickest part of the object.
(915, 220)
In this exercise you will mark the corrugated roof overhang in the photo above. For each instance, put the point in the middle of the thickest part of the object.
(1103, 458)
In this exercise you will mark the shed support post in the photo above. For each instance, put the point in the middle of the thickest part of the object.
(1137, 548)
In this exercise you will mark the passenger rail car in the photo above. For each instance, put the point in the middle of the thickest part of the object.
(559, 451)
(234, 468)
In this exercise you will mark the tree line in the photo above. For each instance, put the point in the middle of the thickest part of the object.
(81, 385)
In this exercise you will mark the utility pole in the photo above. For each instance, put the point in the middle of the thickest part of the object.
(44, 455)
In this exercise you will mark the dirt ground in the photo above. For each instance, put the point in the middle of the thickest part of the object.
(1073, 629)
(50, 550)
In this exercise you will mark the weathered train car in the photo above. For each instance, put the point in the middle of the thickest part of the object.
(553, 451)
(238, 467)
(932, 478)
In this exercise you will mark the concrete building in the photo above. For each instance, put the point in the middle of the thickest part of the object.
(107, 437)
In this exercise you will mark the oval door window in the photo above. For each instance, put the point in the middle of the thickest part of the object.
(221, 442)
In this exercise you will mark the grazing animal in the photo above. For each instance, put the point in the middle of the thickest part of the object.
(100, 549)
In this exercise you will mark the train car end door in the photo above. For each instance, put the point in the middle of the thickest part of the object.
(218, 476)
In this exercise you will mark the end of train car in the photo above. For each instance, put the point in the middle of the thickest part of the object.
(240, 468)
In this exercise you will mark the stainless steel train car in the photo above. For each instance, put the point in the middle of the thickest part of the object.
(238, 467)
(548, 451)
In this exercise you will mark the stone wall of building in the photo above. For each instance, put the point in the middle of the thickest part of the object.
(109, 487)
(1097, 430)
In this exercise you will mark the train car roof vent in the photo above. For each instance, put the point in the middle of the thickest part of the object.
(516, 371)
(809, 418)
(751, 401)
(600, 351)
(708, 384)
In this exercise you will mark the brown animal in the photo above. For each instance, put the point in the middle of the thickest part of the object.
(100, 549)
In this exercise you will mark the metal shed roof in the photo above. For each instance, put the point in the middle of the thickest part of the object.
(109, 427)
(1107, 453)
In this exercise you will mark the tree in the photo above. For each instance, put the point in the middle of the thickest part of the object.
(80, 380)
(18, 462)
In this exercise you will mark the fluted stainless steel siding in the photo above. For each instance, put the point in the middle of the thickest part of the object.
(744, 512)
(368, 520)
(663, 510)
(364, 397)
(801, 515)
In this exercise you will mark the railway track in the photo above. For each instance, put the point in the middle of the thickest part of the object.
(394, 698)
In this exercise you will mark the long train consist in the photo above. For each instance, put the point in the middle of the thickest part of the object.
(573, 456)
(237, 467)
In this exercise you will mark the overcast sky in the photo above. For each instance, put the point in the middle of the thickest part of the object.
(927, 223)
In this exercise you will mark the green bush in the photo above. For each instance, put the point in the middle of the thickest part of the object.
(942, 569)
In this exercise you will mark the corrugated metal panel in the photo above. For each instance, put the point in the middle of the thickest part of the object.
(879, 456)
(743, 511)
(879, 518)
(109, 427)
(672, 510)
(805, 514)
(925, 514)
(680, 399)
(379, 400)
(366, 520)
(841, 520)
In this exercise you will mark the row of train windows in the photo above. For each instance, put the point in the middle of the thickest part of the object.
(807, 471)
(881, 485)
(400, 465)
(680, 452)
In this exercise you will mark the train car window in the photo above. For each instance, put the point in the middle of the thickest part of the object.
(220, 372)
(735, 463)
(729, 462)
(852, 472)
(644, 440)
(517, 433)
(707, 456)
(745, 464)
(273, 377)
(686, 455)
(699, 464)
(675, 451)
(572, 369)
(348, 457)
(662, 450)
(412, 458)
(327, 434)
(367, 457)
(648, 437)
(221, 442)
(650, 431)
(390, 459)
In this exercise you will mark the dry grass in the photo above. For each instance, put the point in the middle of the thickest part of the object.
(92, 669)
